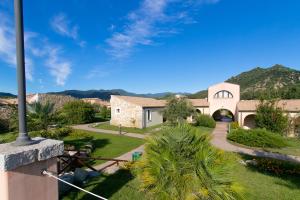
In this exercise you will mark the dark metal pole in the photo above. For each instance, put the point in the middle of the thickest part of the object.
(23, 138)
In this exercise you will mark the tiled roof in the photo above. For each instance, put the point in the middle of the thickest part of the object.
(150, 102)
(144, 102)
(199, 102)
(291, 105)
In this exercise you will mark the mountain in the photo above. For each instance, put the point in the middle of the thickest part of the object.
(7, 95)
(276, 81)
(105, 94)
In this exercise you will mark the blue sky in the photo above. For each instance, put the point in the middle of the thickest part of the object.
(148, 45)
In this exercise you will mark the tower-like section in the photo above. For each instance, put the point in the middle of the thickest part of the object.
(224, 96)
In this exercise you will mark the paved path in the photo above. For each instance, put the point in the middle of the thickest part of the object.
(90, 127)
(219, 140)
(112, 169)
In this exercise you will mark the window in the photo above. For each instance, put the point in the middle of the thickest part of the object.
(149, 115)
(223, 94)
(118, 110)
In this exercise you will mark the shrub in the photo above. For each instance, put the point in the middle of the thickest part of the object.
(205, 120)
(56, 133)
(271, 117)
(77, 112)
(278, 167)
(234, 125)
(179, 163)
(257, 138)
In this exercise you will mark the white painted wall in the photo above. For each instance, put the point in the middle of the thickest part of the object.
(224, 103)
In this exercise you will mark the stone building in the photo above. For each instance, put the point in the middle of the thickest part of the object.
(223, 100)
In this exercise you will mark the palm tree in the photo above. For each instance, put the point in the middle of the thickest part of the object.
(40, 114)
(179, 163)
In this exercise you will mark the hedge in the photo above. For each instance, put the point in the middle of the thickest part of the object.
(257, 138)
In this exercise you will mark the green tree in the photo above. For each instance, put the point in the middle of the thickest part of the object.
(179, 163)
(105, 112)
(271, 117)
(177, 110)
(40, 115)
(77, 112)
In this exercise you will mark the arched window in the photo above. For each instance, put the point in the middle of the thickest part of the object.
(223, 94)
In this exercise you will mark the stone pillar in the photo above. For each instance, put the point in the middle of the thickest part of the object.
(21, 167)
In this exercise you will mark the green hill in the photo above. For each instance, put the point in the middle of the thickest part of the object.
(277, 81)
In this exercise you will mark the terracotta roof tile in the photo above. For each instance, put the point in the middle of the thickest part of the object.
(291, 105)
(150, 102)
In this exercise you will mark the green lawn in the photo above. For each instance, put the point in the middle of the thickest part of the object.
(205, 129)
(293, 147)
(256, 184)
(107, 126)
(106, 145)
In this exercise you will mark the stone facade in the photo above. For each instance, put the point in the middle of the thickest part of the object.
(125, 113)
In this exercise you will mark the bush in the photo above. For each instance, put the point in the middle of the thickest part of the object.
(77, 112)
(278, 167)
(205, 120)
(271, 117)
(234, 125)
(56, 133)
(257, 138)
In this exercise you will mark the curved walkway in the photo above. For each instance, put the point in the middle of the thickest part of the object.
(219, 140)
(90, 127)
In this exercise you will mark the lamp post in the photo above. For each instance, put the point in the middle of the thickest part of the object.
(23, 138)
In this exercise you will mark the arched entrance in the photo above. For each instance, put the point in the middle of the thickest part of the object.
(249, 121)
(223, 115)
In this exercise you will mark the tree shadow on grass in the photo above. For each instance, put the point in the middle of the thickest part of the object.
(288, 173)
(81, 142)
(108, 184)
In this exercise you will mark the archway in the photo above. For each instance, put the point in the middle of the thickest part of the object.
(223, 115)
(249, 121)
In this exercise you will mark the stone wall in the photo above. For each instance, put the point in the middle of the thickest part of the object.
(130, 115)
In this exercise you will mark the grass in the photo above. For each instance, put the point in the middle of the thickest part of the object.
(205, 129)
(265, 185)
(8, 137)
(106, 145)
(256, 184)
(292, 148)
(107, 126)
